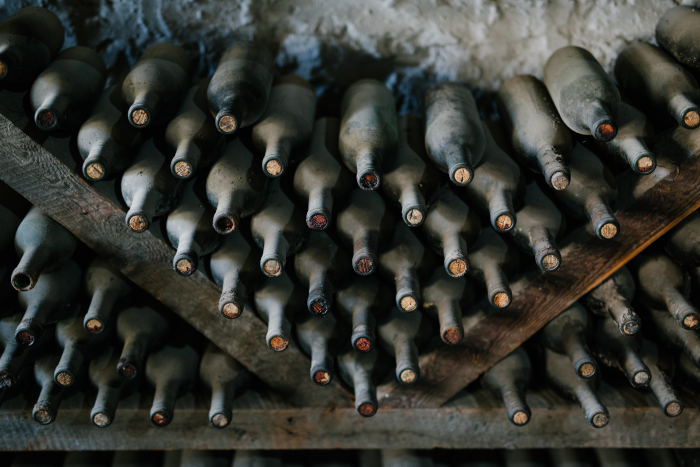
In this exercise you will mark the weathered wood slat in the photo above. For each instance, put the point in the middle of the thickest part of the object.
(648, 207)
(53, 186)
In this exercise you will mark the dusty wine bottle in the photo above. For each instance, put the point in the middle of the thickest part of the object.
(397, 332)
(43, 246)
(78, 345)
(454, 138)
(189, 229)
(539, 225)
(142, 330)
(15, 356)
(321, 266)
(25, 374)
(620, 351)
(410, 178)
(583, 93)
(52, 300)
(240, 88)
(368, 131)
(665, 329)
(537, 134)
(111, 387)
(172, 371)
(664, 284)
(357, 305)
(451, 229)
(279, 229)
(566, 334)
(676, 34)
(444, 298)
(316, 338)
(661, 367)
(108, 289)
(148, 187)
(285, 127)
(653, 79)
(236, 187)
(575, 388)
(52, 394)
(29, 39)
(192, 135)
(612, 299)
(277, 299)
(226, 378)
(356, 369)
(63, 94)
(320, 177)
(682, 242)
(365, 225)
(406, 262)
(106, 141)
(508, 379)
(492, 261)
(154, 88)
(591, 191)
(234, 267)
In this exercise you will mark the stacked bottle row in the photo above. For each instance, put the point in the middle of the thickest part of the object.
(364, 458)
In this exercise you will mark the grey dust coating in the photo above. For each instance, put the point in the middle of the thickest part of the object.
(400, 335)
(318, 337)
(508, 380)
(226, 379)
(110, 385)
(357, 370)
(156, 85)
(277, 301)
(492, 261)
(662, 367)
(79, 347)
(682, 242)
(142, 330)
(108, 290)
(539, 138)
(677, 33)
(613, 298)
(234, 268)
(445, 298)
(15, 356)
(358, 304)
(620, 351)
(52, 394)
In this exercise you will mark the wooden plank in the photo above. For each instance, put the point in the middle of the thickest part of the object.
(648, 207)
(52, 185)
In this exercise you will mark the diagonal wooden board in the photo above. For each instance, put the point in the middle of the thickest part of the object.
(648, 206)
(47, 182)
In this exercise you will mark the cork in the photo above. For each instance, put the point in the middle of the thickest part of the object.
(501, 299)
(182, 169)
(363, 344)
(641, 378)
(586, 370)
(691, 119)
(319, 307)
(605, 132)
(127, 369)
(94, 171)
(559, 181)
(273, 167)
(550, 262)
(46, 119)
(231, 311)
(451, 336)
(160, 419)
(600, 420)
(3, 69)
(64, 379)
(690, 321)
(272, 267)
(137, 223)
(322, 377)
(317, 222)
(367, 409)
(645, 164)
(227, 124)
(25, 338)
(369, 181)
(462, 175)
(94, 326)
(608, 231)
(504, 222)
(219, 420)
(42, 416)
(408, 376)
(408, 303)
(458, 267)
(185, 266)
(520, 418)
(364, 265)
(101, 420)
(673, 409)
(139, 117)
(414, 217)
(278, 343)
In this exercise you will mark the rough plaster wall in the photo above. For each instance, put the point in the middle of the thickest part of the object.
(409, 44)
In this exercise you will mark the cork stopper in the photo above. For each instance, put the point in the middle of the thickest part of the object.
(185, 267)
(504, 222)
(94, 326)
(690, 321)
(127, 369)
(230, 311)
(605, 132)
(408, 303)
(94, 171)
(645, 164)
(608, 231)
(139, 117)
(273, 167)
(160, 419)
(462, 176)
(64, 379)
(319, 307)
(278, 343)
(586, 370)
(363, 344)
(691, 118)
(414, 217)
(182, 169)
(559, 181)
(3, 69)
(42, 416)
(100, 420)
(673, 409)
(364, 265)
(368, 181)
(550, 262)
(458, 267)
(600, 420)
(137, 223)
(322, 377)
(641, 378)
(46, 119)
(25, 338)
(520, 418)
(317, 222)
(451, 336)
(219, 420)
(367, 409)
(227, 124)
(272, 267)
(501, 300)
(408, 376)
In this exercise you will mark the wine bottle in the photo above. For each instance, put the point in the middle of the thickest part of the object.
(583, 93)
(192, 134)
(148, 187)
(410, 178)
(661, 367)
(451, 229)
(368, 131)
(665, 329)
(253, 458)
(202, 458)
(508, 379)
(682, 242)
(286, 125)
(29, 39)
(172, 371)
(491, 262)
(106, 141)
(675, 33)
(653, 79)
(316, 337)
(239, 90)
(234, 267)
(188, 228)
(78, 345)
(365, 225)
(612, 299)
(321, 266)
(108, 289)
(591, 191)
(279, 229)
(689, 372)
(356, 368)
(398, 332)
(142, 330)
(445, 298)
(15, 356)
(539, 225)
(43, 245)
(454, 137)
(497, 186)
(631, 145)
(64, 93)
(52, 300)
(406, 262)
(575, 388)
(357, 305)
(25, 374)
(320, 177)
(620, 351)
(111, 387)
(566, 334)
(154, 88)
(663, 284)
(277, 300)
(539, 138)
(52, 394)
(236, 187)
(226, 378)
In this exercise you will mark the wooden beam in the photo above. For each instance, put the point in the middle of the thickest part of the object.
(648, 207)
(45, 172)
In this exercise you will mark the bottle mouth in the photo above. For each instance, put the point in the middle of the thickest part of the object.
(43, 413)
(673, 409)
(181, 169)
(46, 118)
(641, 378)
(548, 259)
(645, 164)
(413, 215)
(138, 223)
(520, 418)
(278, 343)
(501, 299)
(93, 170)
(452, 336)
(691, 321)
(407, 375)
(226, 123)
(363, 344)
(220, 420)
(94, 326)
(364, 264)
(65, 378)
(224, 223)
(161, 418)
(606, 226)
(605, 131)
(560, 180)
(23, 280)
(230, 310)
(456, 264)
(271, 265)
(318, 306)
(368, 180)
(407, 302)
(139, 116)
(28, 332)
(367, 409)
(185, 265)
(461, 174)
(630, 328)
(600, 419)
(321, 376)
(587, 370)
(503, 221)
(3, 69)
(274, 166)
(317, 220)
(127, 369)
(6, 380)
(101, 420)
(691, 118)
